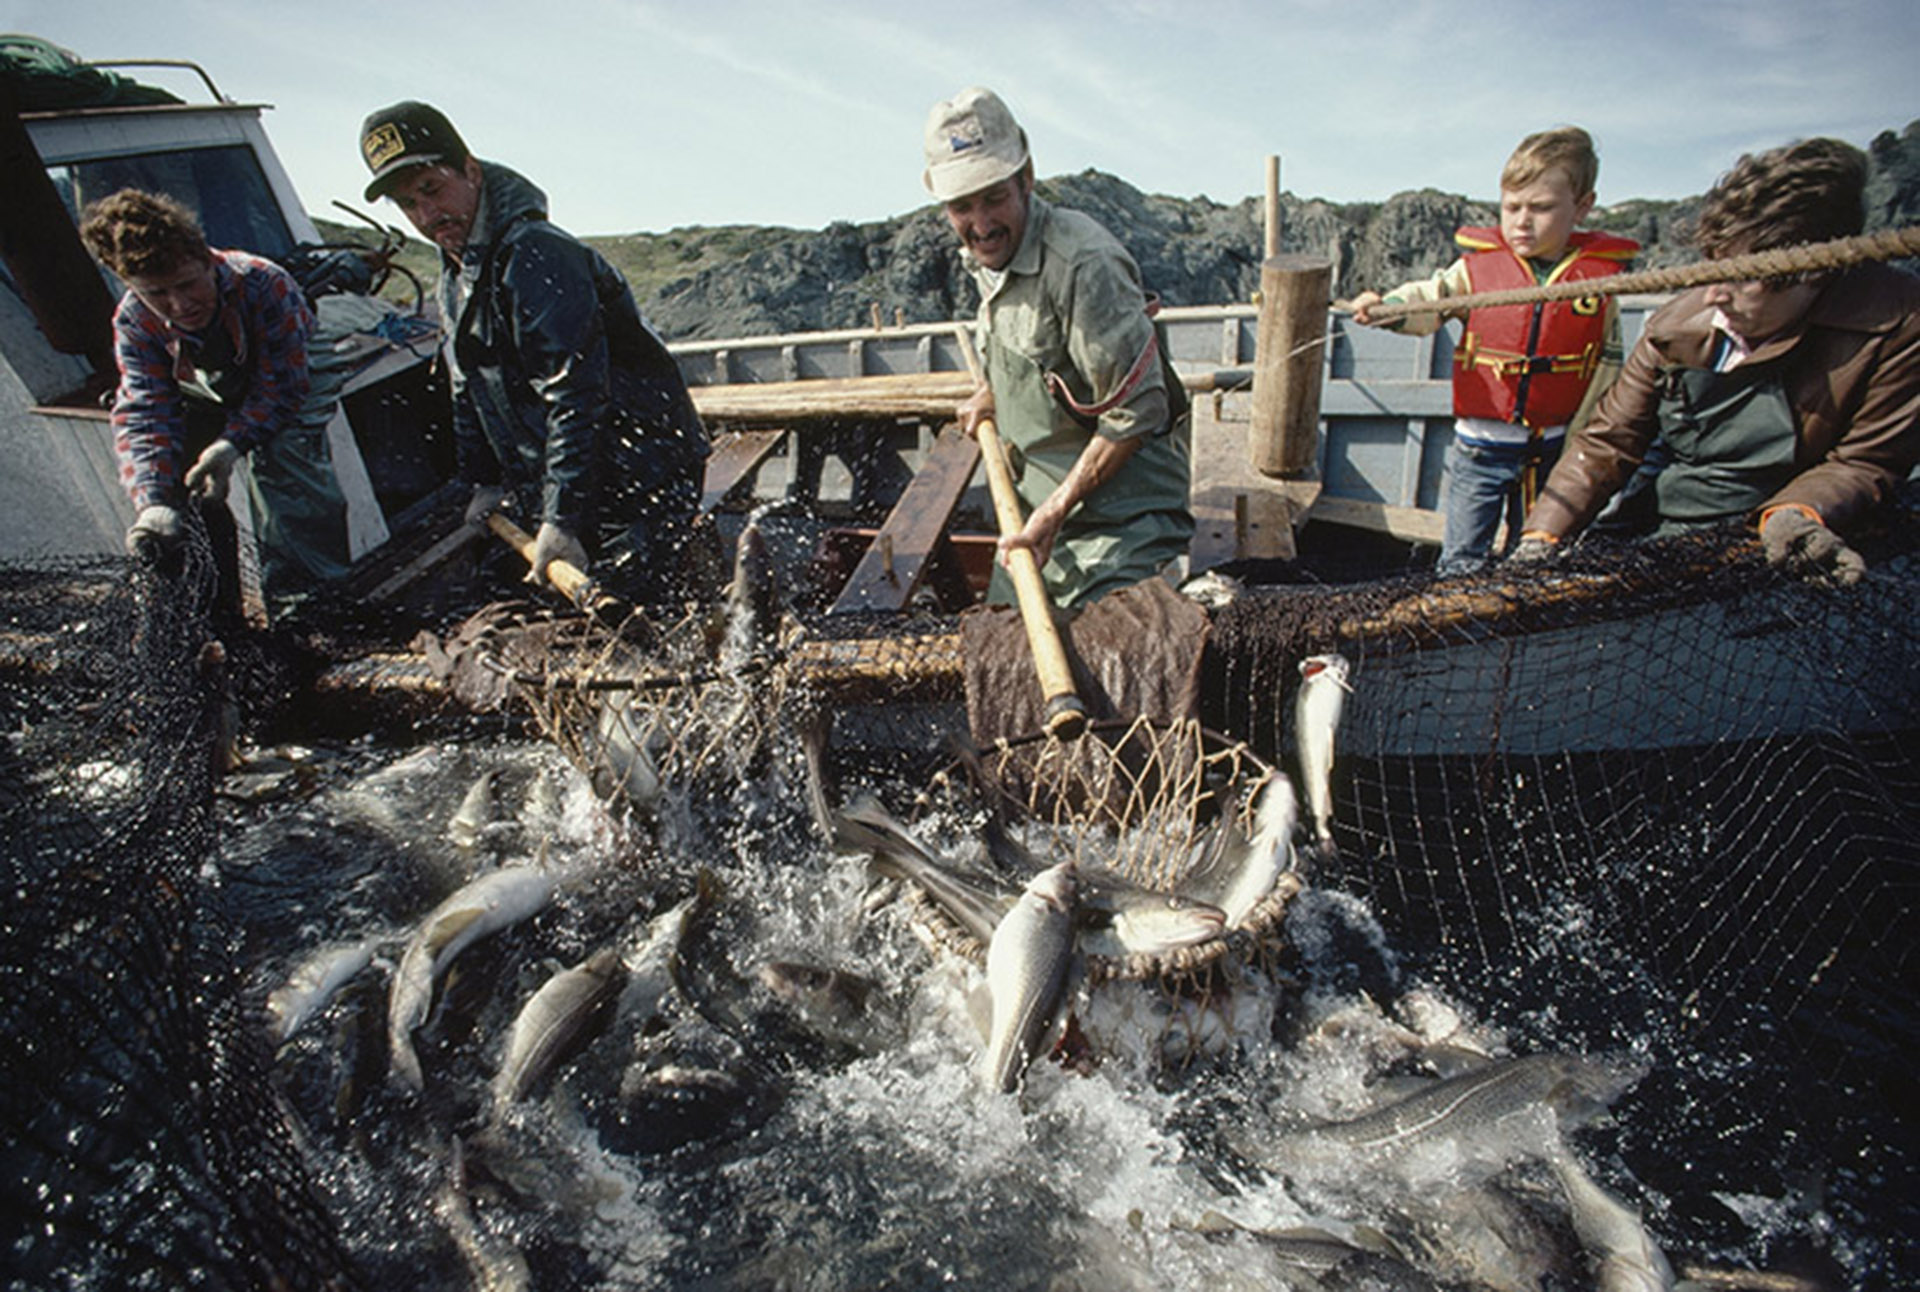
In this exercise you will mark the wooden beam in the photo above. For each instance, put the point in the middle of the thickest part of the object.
(898, 557)
(1409, 524)
(736, 455)
(909, 394)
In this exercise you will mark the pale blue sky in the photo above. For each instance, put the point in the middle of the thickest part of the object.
(643, 116)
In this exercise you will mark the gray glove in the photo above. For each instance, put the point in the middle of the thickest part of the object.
(1799, 544)
(211, 474)
(485, 501)
(1533, 549)
(156, 532)
(555, 544)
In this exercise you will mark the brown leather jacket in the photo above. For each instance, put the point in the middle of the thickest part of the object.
(1852, 376)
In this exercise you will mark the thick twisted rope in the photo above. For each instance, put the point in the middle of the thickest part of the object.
(1887, 244)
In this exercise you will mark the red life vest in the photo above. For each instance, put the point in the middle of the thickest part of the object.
(1530, 364)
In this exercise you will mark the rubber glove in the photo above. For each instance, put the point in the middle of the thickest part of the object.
(155, 532)
(1534, 548)
(211, 474)
(555, 544)
(1794, 540)
(485, 501)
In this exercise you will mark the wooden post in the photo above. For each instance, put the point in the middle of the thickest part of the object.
(1284, 426)
(1273, 207)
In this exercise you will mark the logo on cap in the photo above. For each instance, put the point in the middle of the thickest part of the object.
(382, 144)
(965, 134)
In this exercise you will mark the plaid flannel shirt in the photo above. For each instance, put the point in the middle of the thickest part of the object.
(268, 321)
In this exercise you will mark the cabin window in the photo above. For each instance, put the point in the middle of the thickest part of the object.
(225, 185)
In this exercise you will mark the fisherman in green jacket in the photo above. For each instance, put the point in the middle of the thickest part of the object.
(563, 396)
(1077, 382)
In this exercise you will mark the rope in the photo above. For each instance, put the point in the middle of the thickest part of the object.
(1887, 244)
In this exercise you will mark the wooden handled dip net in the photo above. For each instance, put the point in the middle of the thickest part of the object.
(639, 705)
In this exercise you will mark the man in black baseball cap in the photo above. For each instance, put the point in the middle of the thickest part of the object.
(565, 400)
(405, 135)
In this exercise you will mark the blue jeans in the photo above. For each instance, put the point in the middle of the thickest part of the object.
(1483, 483)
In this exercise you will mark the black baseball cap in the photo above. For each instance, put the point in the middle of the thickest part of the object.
(407, 134)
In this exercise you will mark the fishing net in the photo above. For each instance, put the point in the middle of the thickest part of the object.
(141, 1144)
(1655, 797)
(638, 699)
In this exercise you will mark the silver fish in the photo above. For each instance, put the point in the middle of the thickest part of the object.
(1626, 1259)
(496, 1266)
(554, 1018)
(649, 963)
(1117, 918)
(496, 900)
(1575, 1087)
(1324, 687)
(1114, 916)
(476, 811)
(1239, 867)
(1027, 960)
(977, 903)
(1321, 1256)
(314, 981)
(818, 991)
(751, 612)
(622, 765)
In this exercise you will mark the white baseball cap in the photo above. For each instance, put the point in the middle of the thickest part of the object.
(972, 142)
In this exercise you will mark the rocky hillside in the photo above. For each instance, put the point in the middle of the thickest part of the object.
(735, 280)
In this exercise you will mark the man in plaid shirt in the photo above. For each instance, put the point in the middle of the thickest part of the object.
(212, 351)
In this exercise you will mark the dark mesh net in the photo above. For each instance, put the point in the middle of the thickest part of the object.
(1656, 798)
(142, 1146)
(1658, 795)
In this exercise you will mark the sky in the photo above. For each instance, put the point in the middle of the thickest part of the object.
(640, 116)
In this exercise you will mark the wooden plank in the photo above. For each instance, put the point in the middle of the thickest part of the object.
(897, 560)
(735, 456)
(1410, 524)
(427, 560)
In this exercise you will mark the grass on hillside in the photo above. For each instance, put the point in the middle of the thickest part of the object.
(648, 261)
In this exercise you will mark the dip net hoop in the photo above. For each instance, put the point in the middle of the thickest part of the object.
(1137, 798)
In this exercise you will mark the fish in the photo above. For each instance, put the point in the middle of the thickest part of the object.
(818, 991)
(561, 1014)
(1113, 915)
(1626, 1259)
(1121, 919)
(622, 765)
(476, 811)
(1324, 687)
(752, 615)
(1574, 1087)
(1487, 1236)
(1027, 961)
(496, 1265)
(497, 900)
(1327, 1260)
(1237, 868)
(977, 903)
(314, 982)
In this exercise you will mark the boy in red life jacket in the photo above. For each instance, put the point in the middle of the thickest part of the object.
(1522, 374)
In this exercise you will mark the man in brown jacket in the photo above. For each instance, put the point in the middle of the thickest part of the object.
(1795, 403)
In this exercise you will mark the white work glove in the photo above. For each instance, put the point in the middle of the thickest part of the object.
(155, 532)
(211, 473)
(1798, 544)
(1534, 548)
(485, 501)
(555, 544)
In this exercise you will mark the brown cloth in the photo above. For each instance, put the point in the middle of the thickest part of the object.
(1134, 653)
